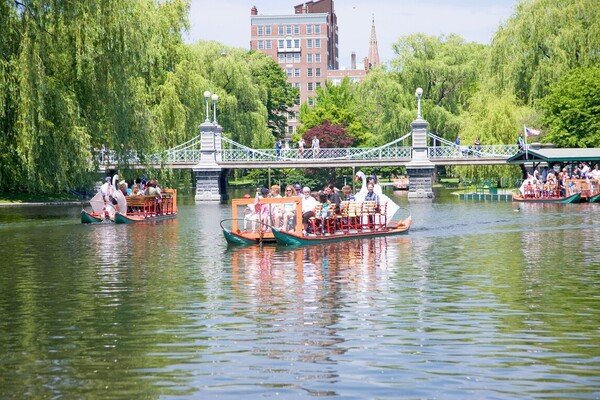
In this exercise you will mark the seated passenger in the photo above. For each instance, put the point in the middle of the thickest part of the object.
(347, 194)
(308, 207)
(276, 209)
(325, 210)
(289, 210)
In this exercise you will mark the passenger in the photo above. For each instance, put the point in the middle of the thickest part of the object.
(595, 172)
(325, 210)
(308, 207)
(298, 189)
(289, 210)
(371, 195)
(333, 197)
(347, 193)
(263, 210)
(276, 209)
(154, 190)
(250, 216)
(136, 187)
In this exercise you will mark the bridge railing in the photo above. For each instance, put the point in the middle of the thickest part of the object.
(350, 153)
(486, 151)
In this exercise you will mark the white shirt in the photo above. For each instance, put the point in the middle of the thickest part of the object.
(308, 203)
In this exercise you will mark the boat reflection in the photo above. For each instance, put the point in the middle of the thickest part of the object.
(310, 289)
(357, 263)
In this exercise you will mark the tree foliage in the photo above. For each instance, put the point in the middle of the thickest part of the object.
(572, 109)
(332, 136)
(76, 76)
(542, 41)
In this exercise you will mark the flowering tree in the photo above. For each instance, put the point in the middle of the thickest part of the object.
(331, 136)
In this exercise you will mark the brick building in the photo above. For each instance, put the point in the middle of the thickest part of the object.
(305, 45)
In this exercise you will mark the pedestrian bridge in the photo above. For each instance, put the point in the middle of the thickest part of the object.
(229, 154)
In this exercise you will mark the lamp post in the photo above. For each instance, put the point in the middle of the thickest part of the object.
(419, 93)
(206, 98)
(215, 98)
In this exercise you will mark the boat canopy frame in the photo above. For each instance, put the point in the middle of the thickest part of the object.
(553, 156)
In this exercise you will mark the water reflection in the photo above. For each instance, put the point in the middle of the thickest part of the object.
(483, 300)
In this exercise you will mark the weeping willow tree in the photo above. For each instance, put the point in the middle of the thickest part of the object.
(76, 76)
(541, 42)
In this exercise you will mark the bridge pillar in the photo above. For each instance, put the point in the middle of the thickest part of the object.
(420, 169)
(207, 172)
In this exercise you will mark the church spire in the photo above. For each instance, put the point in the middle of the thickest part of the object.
(373, 50)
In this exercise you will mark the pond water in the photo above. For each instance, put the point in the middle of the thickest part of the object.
(479, 300)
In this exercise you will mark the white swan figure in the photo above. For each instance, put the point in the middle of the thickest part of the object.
(391, 207)
(360, 195)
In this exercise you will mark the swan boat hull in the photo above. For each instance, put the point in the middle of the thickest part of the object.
(574, 198)
(294, 239)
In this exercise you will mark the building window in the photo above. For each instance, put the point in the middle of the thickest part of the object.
(268, 30)
(296, 43)
(296, 29)
(309, 29)
(297, 72)
(280, 30)
(309, 57)
(268, 44)
(318, 84)
(310, 86)
(297, 57)
(309, 43)
(288, 43)
(317, 71)
(261, 44)
(311, 101)
(317, 43)
(317, 29)
(290, 130)
(291, 115)
(318, 58)
(289, 58)
(259, 30)
(288, 30)
(309, 72)
(297, 101)
(288, 72)
(281, 58)
(280, 43)
(297, 85)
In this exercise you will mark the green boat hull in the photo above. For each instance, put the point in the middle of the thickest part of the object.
(594, 199)
(575, 198)
(293, 239)
(237, 240)
(87, 218)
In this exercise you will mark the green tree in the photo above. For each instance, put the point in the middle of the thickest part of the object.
(384, 106)
(275, 91)
(542, 41)
(572, 109)
(446, 67)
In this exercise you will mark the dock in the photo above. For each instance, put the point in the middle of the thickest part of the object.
(491, 194)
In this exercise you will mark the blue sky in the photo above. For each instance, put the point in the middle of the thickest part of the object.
(228, 21)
